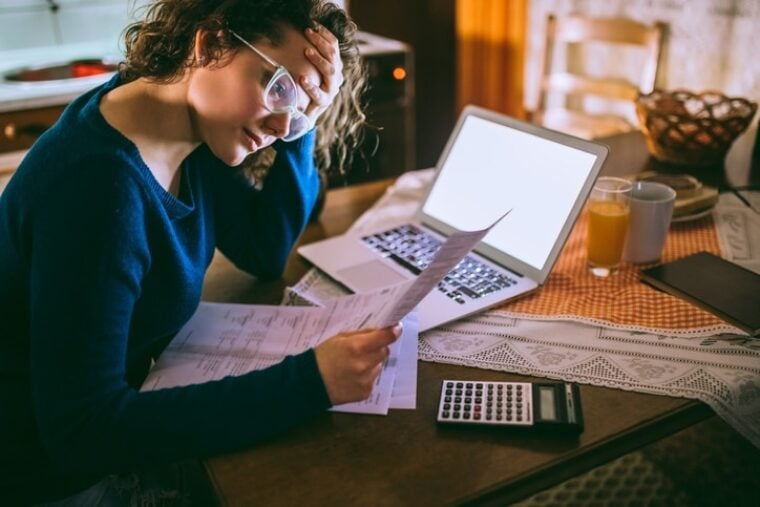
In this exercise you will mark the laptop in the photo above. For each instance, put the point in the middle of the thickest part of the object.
(491, 163)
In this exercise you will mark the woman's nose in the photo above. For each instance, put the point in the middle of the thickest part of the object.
(279, 124)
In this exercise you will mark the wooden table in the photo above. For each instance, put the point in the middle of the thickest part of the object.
(405, 458)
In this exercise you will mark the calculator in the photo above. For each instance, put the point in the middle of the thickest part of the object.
(550, 405)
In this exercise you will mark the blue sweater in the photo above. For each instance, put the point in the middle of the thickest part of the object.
(99, 268)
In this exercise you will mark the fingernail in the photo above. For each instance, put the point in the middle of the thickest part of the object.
(398, 329)
(307, 82)
(310, 52)
(309, 30)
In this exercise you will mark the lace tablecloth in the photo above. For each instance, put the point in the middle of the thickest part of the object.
(712, 361)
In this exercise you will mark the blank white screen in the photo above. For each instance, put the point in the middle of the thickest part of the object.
(492, 168)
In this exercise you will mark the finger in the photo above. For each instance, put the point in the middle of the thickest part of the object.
(328, 68)
(379, 356)
(374, 373)
(370, 361)
(328, 50)
(376, 340)
(317, 95)
(319, 30)
(326, 45)
(354, 332)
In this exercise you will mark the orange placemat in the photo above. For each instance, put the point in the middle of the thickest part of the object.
(622, 299)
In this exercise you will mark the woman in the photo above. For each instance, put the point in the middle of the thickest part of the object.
(111, 220)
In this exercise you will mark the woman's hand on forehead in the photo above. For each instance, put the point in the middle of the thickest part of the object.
(325, 56)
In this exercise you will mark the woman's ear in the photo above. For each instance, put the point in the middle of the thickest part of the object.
(200, 49)
(207, 47)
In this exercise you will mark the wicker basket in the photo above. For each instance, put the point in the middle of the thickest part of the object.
(686, 128)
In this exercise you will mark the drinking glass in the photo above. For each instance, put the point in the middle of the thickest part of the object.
(609, 210)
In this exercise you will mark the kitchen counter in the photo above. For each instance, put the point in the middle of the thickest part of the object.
(18, 96)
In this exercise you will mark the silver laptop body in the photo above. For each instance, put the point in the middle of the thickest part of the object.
(490, 164)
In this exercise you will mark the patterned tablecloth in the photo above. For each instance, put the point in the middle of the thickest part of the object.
(621, 300)
(613, 332)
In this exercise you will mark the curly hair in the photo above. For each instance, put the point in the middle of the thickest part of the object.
(160, 48)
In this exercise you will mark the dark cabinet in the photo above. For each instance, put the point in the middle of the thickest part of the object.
(19, 129)
(428, 26)
(389, 147)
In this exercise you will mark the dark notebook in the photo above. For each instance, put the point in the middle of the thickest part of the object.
(726, 289)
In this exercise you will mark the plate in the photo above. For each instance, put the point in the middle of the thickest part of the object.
(694, 216)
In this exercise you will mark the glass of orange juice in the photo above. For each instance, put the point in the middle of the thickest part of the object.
(608, 212)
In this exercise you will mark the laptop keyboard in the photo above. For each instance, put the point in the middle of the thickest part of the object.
(414, 249)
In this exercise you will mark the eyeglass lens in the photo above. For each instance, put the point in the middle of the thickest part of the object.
(281, 94)
(282, 97)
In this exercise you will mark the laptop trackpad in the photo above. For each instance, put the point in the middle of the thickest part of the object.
(369, 276)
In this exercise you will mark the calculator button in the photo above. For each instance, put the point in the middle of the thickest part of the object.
(449, 384)
(457, 399)
(469, 385)
(476, 416)
(478, 400)
(460, 385)
(445, 415)
(447, 406)
(447, 399)
(455, 415)
(479, 385)
(466, 415)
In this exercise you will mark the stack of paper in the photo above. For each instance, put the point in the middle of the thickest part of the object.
(222, 339)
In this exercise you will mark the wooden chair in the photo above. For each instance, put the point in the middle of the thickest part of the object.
(573, 87)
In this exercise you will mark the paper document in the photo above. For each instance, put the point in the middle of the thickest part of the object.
(223, 340)
(451, 252)
(396, 386)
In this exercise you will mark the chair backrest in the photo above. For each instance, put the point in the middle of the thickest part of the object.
(579, 29)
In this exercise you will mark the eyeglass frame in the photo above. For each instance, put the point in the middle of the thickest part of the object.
(280, 70)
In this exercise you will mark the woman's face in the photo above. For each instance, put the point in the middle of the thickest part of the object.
(227, 103)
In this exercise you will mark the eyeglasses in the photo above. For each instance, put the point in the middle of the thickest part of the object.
(281, 96)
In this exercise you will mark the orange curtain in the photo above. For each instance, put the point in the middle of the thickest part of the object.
(491, 54)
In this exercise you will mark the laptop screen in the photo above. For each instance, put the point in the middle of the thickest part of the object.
(491, 168)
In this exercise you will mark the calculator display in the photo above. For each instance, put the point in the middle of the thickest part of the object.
(548, 410)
